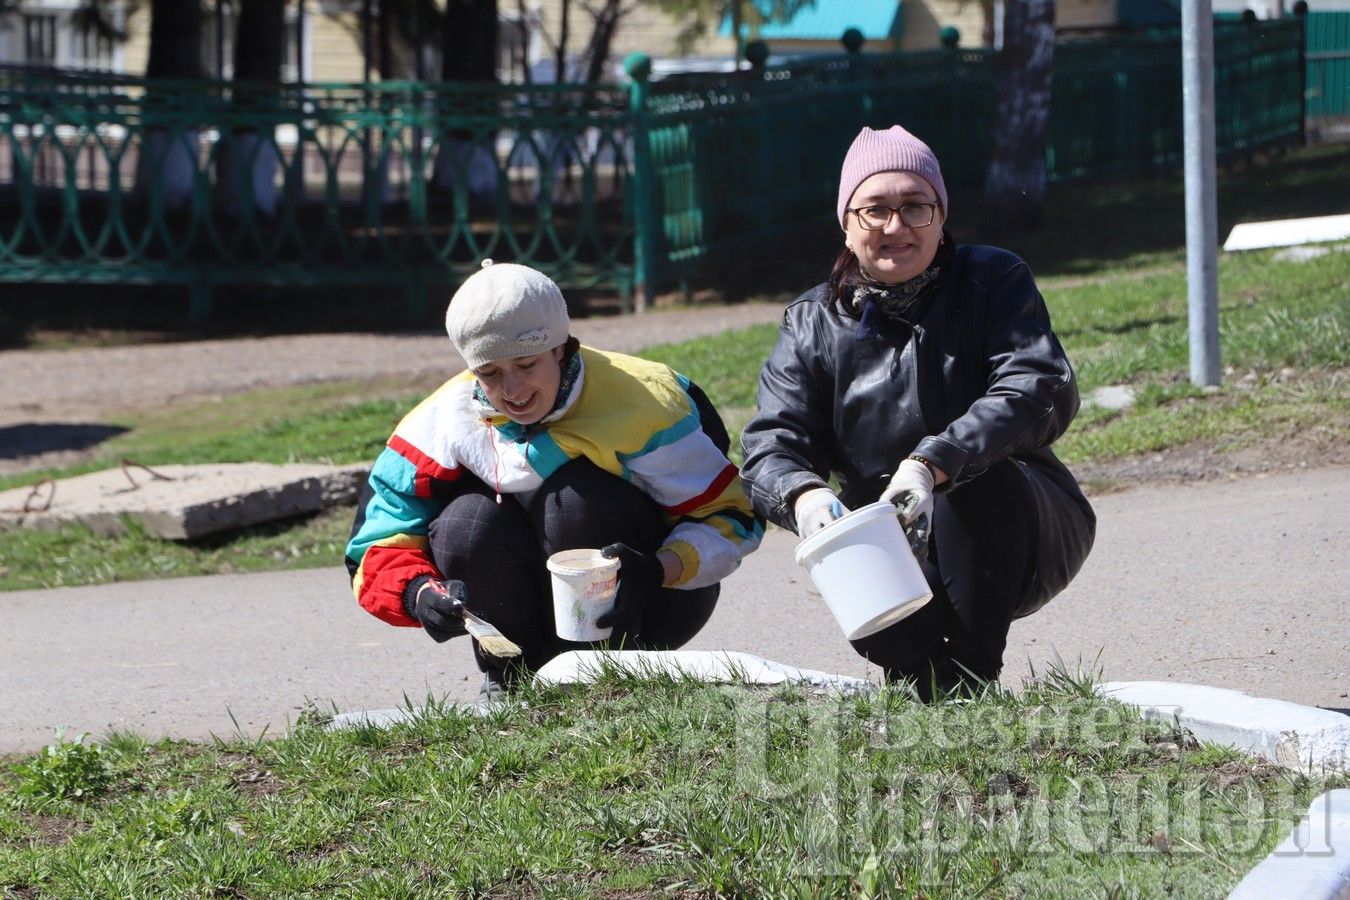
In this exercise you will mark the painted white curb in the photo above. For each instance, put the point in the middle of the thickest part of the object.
(1313, 863)
(1294, 736)
(585, 666)
(1287, 232)
(716, 666)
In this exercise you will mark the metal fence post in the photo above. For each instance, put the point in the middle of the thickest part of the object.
(1202, 276)
(852, 39)
(645, 219)
(1301, 14)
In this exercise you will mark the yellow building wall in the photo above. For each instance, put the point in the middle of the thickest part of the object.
(645, 30)
(136, 50)
(924, 19)
(1085, 13)
(335, 47)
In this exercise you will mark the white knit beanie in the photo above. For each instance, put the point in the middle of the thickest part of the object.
(506, 310)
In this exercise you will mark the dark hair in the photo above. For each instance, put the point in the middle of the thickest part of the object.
(845, 272)
(570, 348)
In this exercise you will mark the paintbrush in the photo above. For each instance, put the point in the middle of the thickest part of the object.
(493, 642)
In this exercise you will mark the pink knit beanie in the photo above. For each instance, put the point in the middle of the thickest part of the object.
(892, 150)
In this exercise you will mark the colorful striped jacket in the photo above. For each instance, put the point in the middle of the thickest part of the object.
(630, 417)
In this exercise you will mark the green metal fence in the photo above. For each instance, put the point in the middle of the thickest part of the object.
(738, 158)
(391, 184)
(632, 188)
(1328, 64)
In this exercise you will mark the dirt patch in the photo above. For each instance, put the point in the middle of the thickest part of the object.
(52, 831)
(1206, 461)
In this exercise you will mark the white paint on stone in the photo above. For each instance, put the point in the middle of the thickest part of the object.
(182, 502)
(1313, 863)
(1287, 232)
(713, 666)
(1294, 736)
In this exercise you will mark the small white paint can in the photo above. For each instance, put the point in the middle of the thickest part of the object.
(584, 586)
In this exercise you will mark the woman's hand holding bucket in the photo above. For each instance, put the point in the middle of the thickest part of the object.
(814, 509)
(911, 491)
(641, 575)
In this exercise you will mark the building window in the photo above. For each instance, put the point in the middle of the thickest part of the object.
(39, 39)
(44, 36)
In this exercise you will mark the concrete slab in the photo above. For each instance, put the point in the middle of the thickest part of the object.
(181, 502)
(1294, 736)
(1112, 396)
(1313, 863)
(1287, 232)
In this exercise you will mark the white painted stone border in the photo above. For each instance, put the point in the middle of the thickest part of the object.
(1287, 232)
(1313, 863)
(585, 666)
(1294, 736)
(717, 666)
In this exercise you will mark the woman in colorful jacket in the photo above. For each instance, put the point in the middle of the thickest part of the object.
(545, 445)
(925, 374)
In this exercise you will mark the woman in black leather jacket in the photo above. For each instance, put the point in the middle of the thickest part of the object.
(926, 374)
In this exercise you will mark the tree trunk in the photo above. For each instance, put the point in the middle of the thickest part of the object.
(166, 167)
(247, 160)
(602, 37)
(466, 163)
(175, 40)
(470, 41)
(1015, 182)
(564, 28)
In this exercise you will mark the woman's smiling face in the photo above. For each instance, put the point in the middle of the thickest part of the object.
(523, 388)
(897, 252)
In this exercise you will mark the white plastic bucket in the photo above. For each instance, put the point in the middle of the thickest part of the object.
(863, 567)
(584, 585)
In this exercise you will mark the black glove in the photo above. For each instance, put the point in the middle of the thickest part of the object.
(438, 605)
(641, 575)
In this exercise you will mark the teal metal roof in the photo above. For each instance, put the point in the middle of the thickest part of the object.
(828, 19)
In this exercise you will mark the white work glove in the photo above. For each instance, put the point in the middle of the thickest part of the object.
(815, 509)
(911, 490)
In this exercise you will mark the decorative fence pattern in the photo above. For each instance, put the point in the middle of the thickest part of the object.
(206, 184)
(633, 188)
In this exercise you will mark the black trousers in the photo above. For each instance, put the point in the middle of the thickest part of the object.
(1002, 545)
(499, 550)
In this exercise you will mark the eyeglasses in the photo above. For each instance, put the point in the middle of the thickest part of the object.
(912, 215)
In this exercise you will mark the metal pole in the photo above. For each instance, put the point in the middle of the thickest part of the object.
(1202, 275)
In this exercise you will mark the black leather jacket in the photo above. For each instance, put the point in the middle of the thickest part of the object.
(976, 378)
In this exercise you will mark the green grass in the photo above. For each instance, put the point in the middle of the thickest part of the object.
(663, 786)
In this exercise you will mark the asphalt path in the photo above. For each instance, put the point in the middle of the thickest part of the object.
(1241, 584)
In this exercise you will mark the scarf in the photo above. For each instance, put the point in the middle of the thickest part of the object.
(901, 301)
